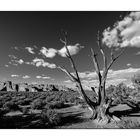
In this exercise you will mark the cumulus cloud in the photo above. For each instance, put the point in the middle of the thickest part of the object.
(87, 84)
(87, 74)
(36, 62)
(114, 77)
(30, 50)
(45, 77)
(28, 63)
(125, 33)
(40, 62)
(124, 73)
(16, 48)
(68, 81)
(38, 77)
(12, 56)
(49, 53)
(73, 49)
(138, 53)
(20, 61)
(128, 64)
(15, 61)
(14, 75)
(6, 66)
(26, 77)
(42, 77)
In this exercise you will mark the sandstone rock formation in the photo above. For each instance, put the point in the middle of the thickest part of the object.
(25, 87)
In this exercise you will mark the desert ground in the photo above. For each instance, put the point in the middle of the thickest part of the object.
(58, 109)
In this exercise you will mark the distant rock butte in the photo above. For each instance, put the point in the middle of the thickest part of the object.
(9, 86)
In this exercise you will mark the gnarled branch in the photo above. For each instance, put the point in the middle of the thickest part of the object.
(102, 52)
(75, 78)
(113, 59)
(72, 77)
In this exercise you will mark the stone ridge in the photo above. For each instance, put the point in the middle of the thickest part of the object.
(10, 86)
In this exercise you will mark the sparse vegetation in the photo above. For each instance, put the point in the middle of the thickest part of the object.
(24, 105)
(10, 105)
(38, 104)
(126, 123)
(47, 106)
(50, 117)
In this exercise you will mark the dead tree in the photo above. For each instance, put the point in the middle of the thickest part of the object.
(101, 106)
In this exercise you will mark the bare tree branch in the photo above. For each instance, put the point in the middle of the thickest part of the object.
(103, 53)
(113, 59)
(72, 77)
(96, 65)
(69, 55)
(77, 78)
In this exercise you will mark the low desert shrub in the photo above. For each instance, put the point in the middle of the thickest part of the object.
(10, 106)
(57, 105)
(128, 124)
(25, 110)
(38, 104)
(50, 117)
(25, 102)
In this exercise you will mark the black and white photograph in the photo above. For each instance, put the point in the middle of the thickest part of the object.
(69, 70)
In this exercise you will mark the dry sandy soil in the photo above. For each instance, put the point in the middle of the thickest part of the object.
(89, 124)
(74, 117)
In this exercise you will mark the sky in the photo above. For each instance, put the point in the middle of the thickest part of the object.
(31, 47)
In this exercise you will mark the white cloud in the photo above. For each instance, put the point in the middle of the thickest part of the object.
(15, 61)
(40, 62)
(126, 33)
(14, 75)
(37, 60)
(138, 53)
(114, 77)
(20, 61)
(12, 56)
(46, 77)
(87, 74)
(73, 49)
(46, 64)
(14, 64)
(26, 77)
(30, 50)
(16, 48)
(42, 77)
(87, 84)
(128, 64)
(68, 81)
(49, 53)
(29, 63)
(6, 65)
(38, 77)
(129, 72)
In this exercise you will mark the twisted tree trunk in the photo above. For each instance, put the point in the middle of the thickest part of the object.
(100, 107)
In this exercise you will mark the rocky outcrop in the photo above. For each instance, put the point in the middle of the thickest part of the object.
(25, 87)
(7, 86)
